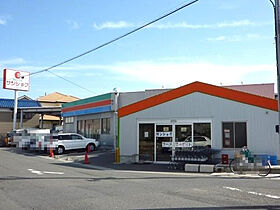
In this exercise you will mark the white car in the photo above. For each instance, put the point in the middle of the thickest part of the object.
(199, 141)
(72, 141)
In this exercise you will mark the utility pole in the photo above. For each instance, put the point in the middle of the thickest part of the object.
(277, 42)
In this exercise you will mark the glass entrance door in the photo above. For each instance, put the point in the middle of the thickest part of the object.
(183, 137)
(146, 141)
(164, 137)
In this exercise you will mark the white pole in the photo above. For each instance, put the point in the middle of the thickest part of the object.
(21, 118)
(15, 111)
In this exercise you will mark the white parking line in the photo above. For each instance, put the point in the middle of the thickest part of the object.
(35, 171)
(252, 193)
(44, 172)
(50, 172)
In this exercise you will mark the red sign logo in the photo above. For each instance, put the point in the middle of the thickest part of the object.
(17, 75)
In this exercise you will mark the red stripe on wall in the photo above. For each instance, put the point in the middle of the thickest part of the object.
(86, 106)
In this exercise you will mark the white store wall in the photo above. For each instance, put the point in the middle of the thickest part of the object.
(261, 135)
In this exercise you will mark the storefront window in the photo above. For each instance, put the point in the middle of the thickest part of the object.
(234, 134)
(202, 135)
(69, 120)
(89, 128)
(96, 126)
(182, 132)
(105, 126)
(81, 127)
(146, 142)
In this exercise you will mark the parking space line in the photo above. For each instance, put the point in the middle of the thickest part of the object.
(251, 192)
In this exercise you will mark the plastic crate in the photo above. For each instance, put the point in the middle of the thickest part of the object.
(272, 159)
(263, 158)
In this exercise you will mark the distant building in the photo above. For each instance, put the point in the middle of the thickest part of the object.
(265, 90)
(54, 100)
(6, 114)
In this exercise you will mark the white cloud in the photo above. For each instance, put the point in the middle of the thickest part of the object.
(233, 38)
(167, 73)
(238, 38)
(169, 25)
(72, 24)
(175, 74)
(4, 19)
(13, 61)
(232, 24)
(113, 25)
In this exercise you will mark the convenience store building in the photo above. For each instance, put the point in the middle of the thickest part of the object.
(144, 126)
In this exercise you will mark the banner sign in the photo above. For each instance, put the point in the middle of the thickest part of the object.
(15, 80)
(164, 134)
(177, 144)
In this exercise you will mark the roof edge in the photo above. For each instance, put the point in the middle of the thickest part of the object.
(221, 92)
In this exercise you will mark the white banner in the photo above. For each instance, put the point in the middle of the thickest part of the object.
(177, 144)
(164, 134)
(15, 80)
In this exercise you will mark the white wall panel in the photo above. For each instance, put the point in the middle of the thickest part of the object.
(261, 136)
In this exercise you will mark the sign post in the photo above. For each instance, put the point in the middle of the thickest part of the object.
(15, 110)
(17, 81)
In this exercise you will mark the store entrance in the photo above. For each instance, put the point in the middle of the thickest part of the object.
(146, 141)
(158, 142)
(164, 139)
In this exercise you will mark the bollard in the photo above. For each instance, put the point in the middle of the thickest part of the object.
(86, 155)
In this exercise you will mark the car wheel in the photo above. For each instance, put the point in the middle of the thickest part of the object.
(91, 147)
(60, 150)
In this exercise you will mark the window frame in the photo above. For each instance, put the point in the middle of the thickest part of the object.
(107, 124)
(233, 135)
(69, 120)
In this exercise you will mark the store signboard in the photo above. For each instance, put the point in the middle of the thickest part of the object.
(164, 134)
(177, 144)
(15, 80)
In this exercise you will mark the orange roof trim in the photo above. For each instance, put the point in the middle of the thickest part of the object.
(208, 89)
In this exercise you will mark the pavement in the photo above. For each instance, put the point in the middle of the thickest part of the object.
(104, 159)
(36, 181)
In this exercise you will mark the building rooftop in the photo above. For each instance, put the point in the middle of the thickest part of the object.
(9, 103)
(57, 97)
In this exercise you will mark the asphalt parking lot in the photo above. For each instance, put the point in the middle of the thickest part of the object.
(104, 159)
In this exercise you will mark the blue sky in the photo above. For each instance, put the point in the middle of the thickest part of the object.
(214, 41)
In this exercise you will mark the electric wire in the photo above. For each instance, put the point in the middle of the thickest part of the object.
(73, 83)
(116, 39)
(107, 43)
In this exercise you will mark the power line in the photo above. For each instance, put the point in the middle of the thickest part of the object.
(73, 83)
(116, 39)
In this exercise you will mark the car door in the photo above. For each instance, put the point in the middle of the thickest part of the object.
(78, 141)
(66, 141)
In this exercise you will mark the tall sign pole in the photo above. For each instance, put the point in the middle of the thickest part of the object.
(15, 110)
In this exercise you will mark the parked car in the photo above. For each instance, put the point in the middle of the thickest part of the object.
(73, 141)
(199, 141)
